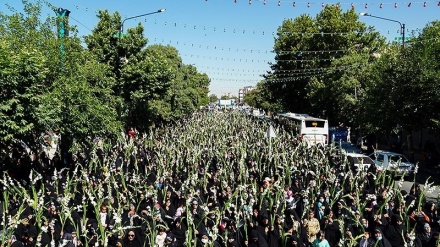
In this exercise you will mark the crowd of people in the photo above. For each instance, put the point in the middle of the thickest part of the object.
(212, 179)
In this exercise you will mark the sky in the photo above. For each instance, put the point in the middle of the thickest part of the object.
(232, 40)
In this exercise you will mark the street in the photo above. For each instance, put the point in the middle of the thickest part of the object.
(431, 195)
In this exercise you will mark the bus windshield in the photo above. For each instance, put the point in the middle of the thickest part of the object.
(310, 129)
(317, 124)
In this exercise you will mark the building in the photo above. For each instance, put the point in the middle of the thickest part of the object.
(242, 92)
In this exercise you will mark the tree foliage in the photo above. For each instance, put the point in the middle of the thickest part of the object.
(354, 78)
(258, 98)
(24, 72)
(213, 98)
(311, 68)
(55, 83)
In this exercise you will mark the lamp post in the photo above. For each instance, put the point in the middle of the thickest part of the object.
(402, 25)
(121, 28)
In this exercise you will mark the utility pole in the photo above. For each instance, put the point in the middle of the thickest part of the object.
(63, 15)
(402, 25)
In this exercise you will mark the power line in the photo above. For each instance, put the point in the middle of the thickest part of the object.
(81, 23)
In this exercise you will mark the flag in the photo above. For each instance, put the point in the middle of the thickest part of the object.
(271, 132)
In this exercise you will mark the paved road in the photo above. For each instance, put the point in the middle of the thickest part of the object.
(431, 195)
(421, 178)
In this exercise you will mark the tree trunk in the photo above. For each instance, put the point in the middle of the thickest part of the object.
(66, 144)
(410, 145)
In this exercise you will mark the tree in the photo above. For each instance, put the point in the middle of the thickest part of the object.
(403, 87)
(213, 98)
(282, 81)
(258, 98)
(46, 88)
(186, 91)
(26, 49)
(426, 48)
(152, 82)
(146, 80)
(314, 71)
(109, 46)
(21, 74)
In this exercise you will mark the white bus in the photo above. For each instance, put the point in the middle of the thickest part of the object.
(310, 129)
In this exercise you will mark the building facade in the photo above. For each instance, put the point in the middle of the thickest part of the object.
(242, 92)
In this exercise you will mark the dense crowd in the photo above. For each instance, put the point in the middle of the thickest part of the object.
(212, 179)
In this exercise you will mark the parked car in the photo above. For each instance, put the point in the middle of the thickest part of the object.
(391, 161)
(359, 161)
(347, 147)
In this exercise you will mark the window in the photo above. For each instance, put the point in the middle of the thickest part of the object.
(317, 124)
(380, 157)
(398, 158)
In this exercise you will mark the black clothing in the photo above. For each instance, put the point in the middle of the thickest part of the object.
(395, 233)
(132, 243)
(17, 244)
(332, 233)
(382, 243)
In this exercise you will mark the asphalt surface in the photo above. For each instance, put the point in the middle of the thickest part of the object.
(424, 175)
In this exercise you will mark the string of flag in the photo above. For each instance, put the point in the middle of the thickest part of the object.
(229, 59)
(250, 60)
(273, 33)
(321, 4)
(310, 4)
(289, 75)
(215, 69)
(353, 5)
(235, 80)
(263, 33)
(254, 51)
(298, 72)
(229, 49)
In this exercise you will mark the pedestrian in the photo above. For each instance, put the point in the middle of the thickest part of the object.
(320, 240)
(380, 240)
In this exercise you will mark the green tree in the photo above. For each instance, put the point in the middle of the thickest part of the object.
(108, 46)
(403, 87)
(152, 82)
(26, 52)
(146, 80)
(312, 62)
(45, 87)
(426, 48)
(261, 97)
(125, 54)
(185, 90)
(21, 74)
(78, 108)
(213, 98)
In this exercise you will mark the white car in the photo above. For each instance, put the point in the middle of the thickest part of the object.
(359, 161)
(386, 160)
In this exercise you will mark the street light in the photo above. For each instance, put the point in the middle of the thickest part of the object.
(121, 28)
(402, 25)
